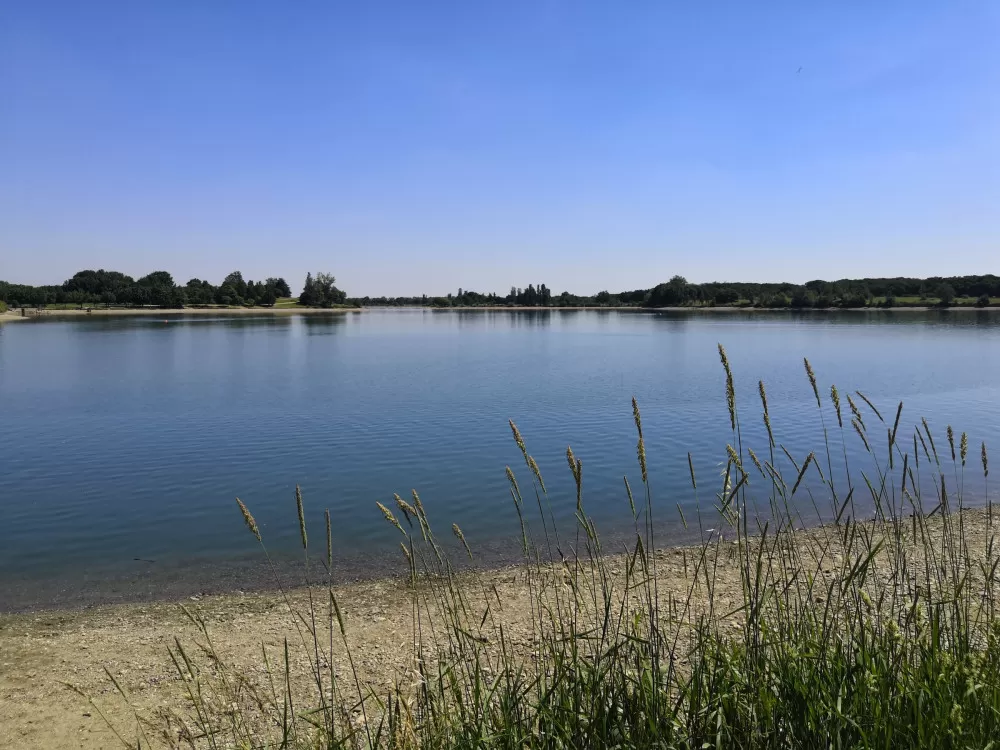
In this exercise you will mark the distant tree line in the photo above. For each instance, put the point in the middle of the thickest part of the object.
(679, 292)
(114, 289)
(111, 288)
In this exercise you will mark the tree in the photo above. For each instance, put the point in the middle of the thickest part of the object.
(946, 293)
(280, 287)
(156, 279)
(673, 293)
(308, 296)
(983, 300)
(803, 297)
(321, 291)
(726, 296)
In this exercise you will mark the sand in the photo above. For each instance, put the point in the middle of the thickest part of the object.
(41, 651)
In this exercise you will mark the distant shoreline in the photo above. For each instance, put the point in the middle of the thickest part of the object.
(96, 312)
(12, 315)
(715, 309)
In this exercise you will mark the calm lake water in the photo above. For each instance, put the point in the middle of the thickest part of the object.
(126, 438)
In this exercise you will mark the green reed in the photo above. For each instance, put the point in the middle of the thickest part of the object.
(840, 630)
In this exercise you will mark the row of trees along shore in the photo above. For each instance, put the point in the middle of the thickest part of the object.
(679, 292)
(158, 289)
(111, 288)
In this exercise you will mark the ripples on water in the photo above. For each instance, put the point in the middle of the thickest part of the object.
(129, 438)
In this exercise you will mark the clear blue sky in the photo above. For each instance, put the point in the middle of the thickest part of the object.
(415, 147)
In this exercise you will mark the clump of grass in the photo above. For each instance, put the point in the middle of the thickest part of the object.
(878, 630)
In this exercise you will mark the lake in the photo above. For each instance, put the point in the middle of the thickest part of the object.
(126, 439)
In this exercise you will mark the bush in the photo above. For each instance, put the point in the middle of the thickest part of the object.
(3, 306)
(983, 301)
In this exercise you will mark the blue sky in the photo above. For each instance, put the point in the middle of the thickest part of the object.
(418, 147)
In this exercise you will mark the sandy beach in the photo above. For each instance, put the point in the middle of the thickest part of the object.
(42, 652)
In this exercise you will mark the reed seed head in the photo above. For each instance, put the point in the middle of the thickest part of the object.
(329, 542)
(855, 411)
(802, 472)
(861, 434)
(930, 437)
(418, 505)
(951, 442)
(631, 499)
(534, 470)
(571, 460)
(767, 414)
(730, 388)
(963, 447)
(461, 537)
(636, 416)
(871, 406)
(302, 517)
(835, 395)
(640, 450)
(517, 438)
(812, 380)
(406, 509)
(406, 553)
(252, 524)
(389, 517)
(986, 463)
(756, 461)
(734, 458)
(694, 484)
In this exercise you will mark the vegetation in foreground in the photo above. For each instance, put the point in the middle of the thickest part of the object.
(869, 633)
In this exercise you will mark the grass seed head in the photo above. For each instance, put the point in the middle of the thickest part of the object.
(730, 388)
(408, 511)
(534, 470)
(389, 517)
(812, 380)
(252, 524)
(517, 438)
(835, 396)
(302, 517)
(461, 537)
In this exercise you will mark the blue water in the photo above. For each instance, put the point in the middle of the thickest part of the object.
(127, 438)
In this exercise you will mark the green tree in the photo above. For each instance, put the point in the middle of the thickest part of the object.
(671, 294)
(157, 279)
(946, 293)
(983, 300)
(308, 296)
(280, 287)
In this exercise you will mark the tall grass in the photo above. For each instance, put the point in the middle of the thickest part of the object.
(878, 630)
